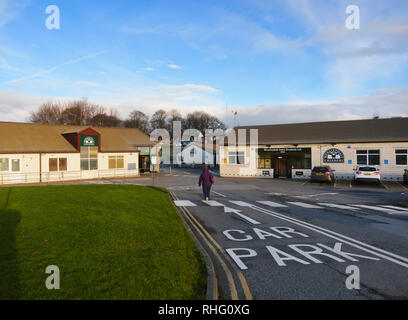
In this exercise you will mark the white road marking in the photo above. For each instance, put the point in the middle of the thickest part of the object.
(390, 211)
(220, 194)
(241, 203)
(339, 206)
(316, 195)
(213, 203)
(184, 203)
(337, 236)
(305, 205)
(396, 208)
(272, 204)
(275, 193)
(237, 212)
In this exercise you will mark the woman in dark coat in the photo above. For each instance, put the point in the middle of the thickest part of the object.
(206, 180)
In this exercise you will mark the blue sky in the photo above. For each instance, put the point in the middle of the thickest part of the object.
(272, 61)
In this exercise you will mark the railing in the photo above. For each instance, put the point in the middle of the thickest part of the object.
(35, 177)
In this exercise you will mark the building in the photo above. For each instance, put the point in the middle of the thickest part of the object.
(195, 154)
(292, 150)
(32, 153)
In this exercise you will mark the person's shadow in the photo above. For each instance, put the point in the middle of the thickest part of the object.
(9, 279)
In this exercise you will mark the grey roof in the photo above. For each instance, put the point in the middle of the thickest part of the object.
(350, 131)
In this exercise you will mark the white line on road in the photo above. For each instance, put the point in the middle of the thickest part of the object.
(272, 204)
(220, 194)
(316, 195)
(396, 208)
(337, 236)
(390, 211)
(241, 203)
(213, 203)
(184, 203)
(339, 206)
(237, 212)
(305, 205)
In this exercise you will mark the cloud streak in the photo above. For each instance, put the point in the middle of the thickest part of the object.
(50, 70)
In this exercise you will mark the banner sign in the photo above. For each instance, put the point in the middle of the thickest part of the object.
(89, 141)
(333, 156)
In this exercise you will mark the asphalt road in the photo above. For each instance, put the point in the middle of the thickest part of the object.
(283, 239)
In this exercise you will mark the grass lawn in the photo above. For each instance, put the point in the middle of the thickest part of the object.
(109, 242)
(404, 203)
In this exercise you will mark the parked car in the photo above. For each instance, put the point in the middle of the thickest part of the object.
(406, 176)
(367, 173)
(322, 174)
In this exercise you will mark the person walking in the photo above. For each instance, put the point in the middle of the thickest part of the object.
(206, 180)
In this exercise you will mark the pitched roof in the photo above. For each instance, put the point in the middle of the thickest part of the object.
(30, 138)
(351, 131)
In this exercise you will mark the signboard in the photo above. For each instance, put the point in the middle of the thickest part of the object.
(266, 173)
(299, 173)
(283, 150)
(333, 156)
(89, 141)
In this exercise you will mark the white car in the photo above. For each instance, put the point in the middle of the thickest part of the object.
(367, 173)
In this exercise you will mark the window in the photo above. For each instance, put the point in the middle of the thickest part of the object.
(57, 164)
(192, 152)
(4, 164)
(401, 156)
(116, 162)
(89, 158)
(236, 157)
(368, 157)
(15, 165)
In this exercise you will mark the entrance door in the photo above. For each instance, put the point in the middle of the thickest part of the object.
(282, 168)
(144, 163)
(15, 171)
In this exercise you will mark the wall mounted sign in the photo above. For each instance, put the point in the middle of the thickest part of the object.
(89, 141)
(283, 150)
(333, 156)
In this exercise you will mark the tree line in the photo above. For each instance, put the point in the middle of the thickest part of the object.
(84, 113)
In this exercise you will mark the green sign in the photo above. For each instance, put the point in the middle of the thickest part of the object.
(89, 141)
(283, 150)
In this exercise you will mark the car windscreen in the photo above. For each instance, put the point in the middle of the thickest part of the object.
(320, 169)
(367, 169)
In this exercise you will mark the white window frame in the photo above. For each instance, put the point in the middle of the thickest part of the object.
(8, 165)
(399, 154)
(11, 165)
(367, 156)
(235, 156)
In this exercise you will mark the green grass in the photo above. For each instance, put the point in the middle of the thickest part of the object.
(404, 204)
(109, 242)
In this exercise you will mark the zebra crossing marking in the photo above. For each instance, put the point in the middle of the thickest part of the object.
(213, 203)
(339, 206)
(272, 204)
(305, 205)
(184, 203)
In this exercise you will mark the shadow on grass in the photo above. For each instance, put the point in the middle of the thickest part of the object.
(159, 189)
(9, 280)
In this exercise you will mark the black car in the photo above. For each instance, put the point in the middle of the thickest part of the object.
(322, 174)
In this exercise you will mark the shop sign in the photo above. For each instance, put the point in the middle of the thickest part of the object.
(333, 156)
(89, 141)
(283, 150)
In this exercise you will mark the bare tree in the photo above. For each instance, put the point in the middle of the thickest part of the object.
(137, 119)
(158, 120)
(48, 113)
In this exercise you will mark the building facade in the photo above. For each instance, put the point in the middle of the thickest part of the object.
(292, 150)
(34, 153)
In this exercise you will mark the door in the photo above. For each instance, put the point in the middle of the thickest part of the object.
(15, 170)
(282, 168)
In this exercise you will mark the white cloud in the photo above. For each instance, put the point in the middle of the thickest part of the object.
(173, 66)
(388, 102)
(9, 10)
(86, 84)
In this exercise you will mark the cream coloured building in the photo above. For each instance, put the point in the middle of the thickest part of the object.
(32, 153)
(292, 150)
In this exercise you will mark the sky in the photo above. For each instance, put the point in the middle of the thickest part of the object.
(271, 61)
